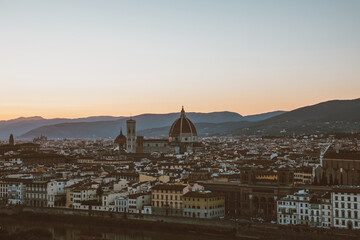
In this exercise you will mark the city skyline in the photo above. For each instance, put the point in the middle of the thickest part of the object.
(86, 58)
(134, 115)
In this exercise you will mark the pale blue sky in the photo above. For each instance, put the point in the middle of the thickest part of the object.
(80, 58)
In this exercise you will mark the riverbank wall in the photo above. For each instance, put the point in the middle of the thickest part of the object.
(226, 228)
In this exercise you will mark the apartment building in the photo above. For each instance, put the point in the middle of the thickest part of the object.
(204, 204)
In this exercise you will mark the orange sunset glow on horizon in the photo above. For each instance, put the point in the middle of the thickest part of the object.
(80, 59)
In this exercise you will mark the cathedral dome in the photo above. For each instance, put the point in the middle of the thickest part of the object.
(183, 129)
(120, 139)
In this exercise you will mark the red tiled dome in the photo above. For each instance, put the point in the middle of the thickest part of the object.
(182, 125)
(120, 139)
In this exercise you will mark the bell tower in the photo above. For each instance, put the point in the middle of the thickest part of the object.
(131, 136)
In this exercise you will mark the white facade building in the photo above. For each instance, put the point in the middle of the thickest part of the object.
(346, 207)
(134, 203)
(304, 208)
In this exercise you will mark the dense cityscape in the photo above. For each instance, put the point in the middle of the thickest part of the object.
(309, 180)
(182, 119)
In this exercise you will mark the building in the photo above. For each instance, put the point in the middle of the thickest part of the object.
(137, 202)
(279, 176)
(203, 204)
(339, 167)
(27, 147)
(167, 199)
(302, 208)
(182, 134)
(131, 136)
(346, 207)
(84, 196)
(182, 138)
(121, 204)
(133, 203)
(16, 190)
(36, 194)
(108, 200)
(3, 192)
(339, 208)
(45, 193)
(326, 210)
(120, 142)
(303, 175)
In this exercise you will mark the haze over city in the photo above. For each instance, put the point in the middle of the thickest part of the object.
(85, 58)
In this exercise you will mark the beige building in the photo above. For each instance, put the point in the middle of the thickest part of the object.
(303, 176)
(167, 199)
(204, 204)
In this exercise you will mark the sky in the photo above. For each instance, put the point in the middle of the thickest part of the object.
(88, 58)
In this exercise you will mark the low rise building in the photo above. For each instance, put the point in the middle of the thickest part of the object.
(346, 207)
(302, 208)
(204, 204)
(167, 199)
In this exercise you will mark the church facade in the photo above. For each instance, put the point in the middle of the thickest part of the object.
(182, 138)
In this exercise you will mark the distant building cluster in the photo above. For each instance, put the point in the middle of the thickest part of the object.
(306, 180)
(182, 138)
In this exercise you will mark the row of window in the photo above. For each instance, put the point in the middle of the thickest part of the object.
(170, 197)
(343, 223)
(348, 198)
(167, 191)
(350, 214)
(171, 204)
(348, 205)
(198, 199)
(302, 211)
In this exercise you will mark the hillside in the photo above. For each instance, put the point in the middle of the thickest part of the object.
(22, 125)
(203, 129)
(149, 125)
(104, 129)
(325, 117)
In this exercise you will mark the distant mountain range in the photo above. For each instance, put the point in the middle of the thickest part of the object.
(327, 117)
(105, 126)
(22, 125)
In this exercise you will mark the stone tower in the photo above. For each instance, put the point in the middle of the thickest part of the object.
(131, 136)
(11, 140)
